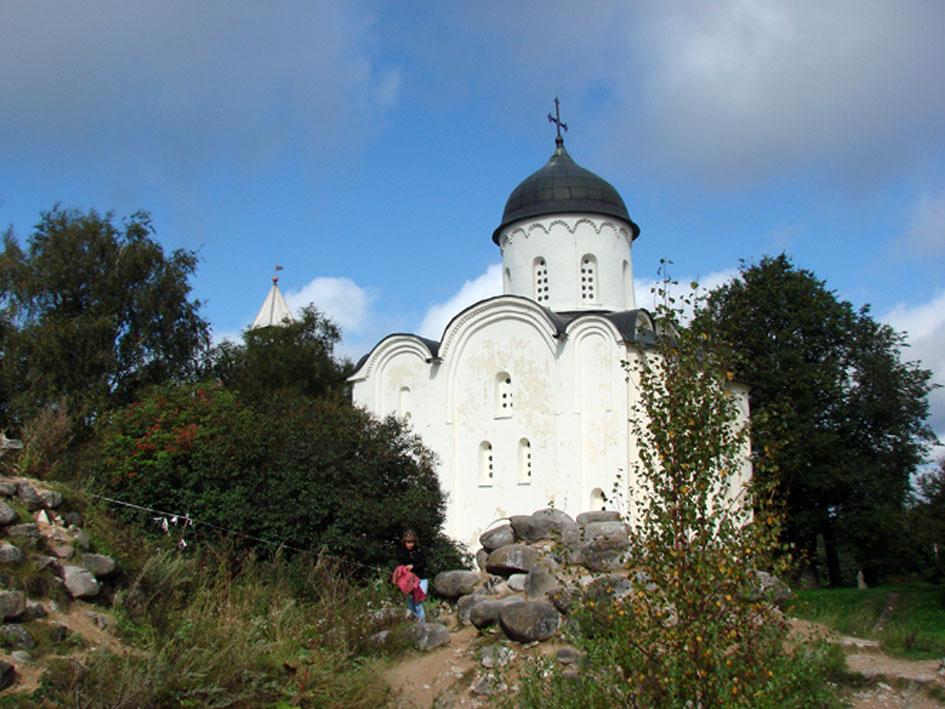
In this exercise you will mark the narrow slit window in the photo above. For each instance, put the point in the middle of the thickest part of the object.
(524, 462)
(540, 268)
(504, 401)
(589, 286)
(486, 464)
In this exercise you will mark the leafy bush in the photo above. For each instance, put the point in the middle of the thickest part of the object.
(313, 474)
(695, 630)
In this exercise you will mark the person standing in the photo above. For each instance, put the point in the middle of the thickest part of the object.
(411, 556)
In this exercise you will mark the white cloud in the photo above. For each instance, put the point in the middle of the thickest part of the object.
(341, 299)
(438, 316)
(924, 325)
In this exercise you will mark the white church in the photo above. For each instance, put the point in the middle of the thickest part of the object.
(524, 398)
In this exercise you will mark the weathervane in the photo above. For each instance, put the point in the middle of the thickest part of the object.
(275, 274)
(556, 119)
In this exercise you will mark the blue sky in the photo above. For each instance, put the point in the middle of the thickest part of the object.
(369, 147)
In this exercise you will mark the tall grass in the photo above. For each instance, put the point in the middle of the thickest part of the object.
(915, 628)
(203, 633)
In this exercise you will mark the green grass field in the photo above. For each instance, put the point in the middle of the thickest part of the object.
(915, 629)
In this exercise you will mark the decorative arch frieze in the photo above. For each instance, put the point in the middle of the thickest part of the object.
(571, 224)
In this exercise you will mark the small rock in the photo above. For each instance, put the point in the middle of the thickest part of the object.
(100, 565)
(598, 516)
(613, 586)
(62, 551)
(498, 537)
(43, 562)
(28, 532)
(72, 518)
(79, 582)
(30, 497)
(8, 515)
(567, 655)
(529, 621)
(99, 619)
(7, 674)
(51, 498)
(41, 517)
(7, 488)
(34, 610)
(10, 554)
(453, 584)
(517, 582)
(561, 598)
(58, 632)
(487, 685)
(481, 557)
(426, 636)
(82, 539)
(22, 656)
(17, 636)
(496, 656)
(12, 604)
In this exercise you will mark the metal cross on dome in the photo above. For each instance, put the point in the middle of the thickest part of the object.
(556, 119)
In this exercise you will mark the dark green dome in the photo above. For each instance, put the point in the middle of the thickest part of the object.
(563, 186)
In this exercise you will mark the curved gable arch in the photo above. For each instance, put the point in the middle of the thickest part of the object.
(477, 317)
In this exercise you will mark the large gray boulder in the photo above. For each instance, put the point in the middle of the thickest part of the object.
(99, 565)
(12, 604)
(512, 559)
(548, 523)
(453, 584)
(604, 553)
(530, 621)
(586, 518)
(542, 577)
(498, 537)
(465, 605)
(614, 531)
(8, 515)
(486, 613)
(79, 582)
(426, 636)
(612, 587)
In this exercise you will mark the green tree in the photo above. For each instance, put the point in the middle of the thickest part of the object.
(311, 473)
(693, 627)
(90, 313)
(853, 413)
(281, 362)
(926, 540)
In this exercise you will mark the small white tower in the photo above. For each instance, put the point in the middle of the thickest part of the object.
(274, 310)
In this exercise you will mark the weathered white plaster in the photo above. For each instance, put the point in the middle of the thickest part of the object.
(524, 399)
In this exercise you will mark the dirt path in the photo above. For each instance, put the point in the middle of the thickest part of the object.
(444, 678)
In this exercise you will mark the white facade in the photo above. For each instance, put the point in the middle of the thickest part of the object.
(524, 398)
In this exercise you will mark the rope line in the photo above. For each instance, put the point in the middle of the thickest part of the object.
(188, 518)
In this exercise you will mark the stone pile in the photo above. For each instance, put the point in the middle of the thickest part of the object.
(39, 536)
(530, 569)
